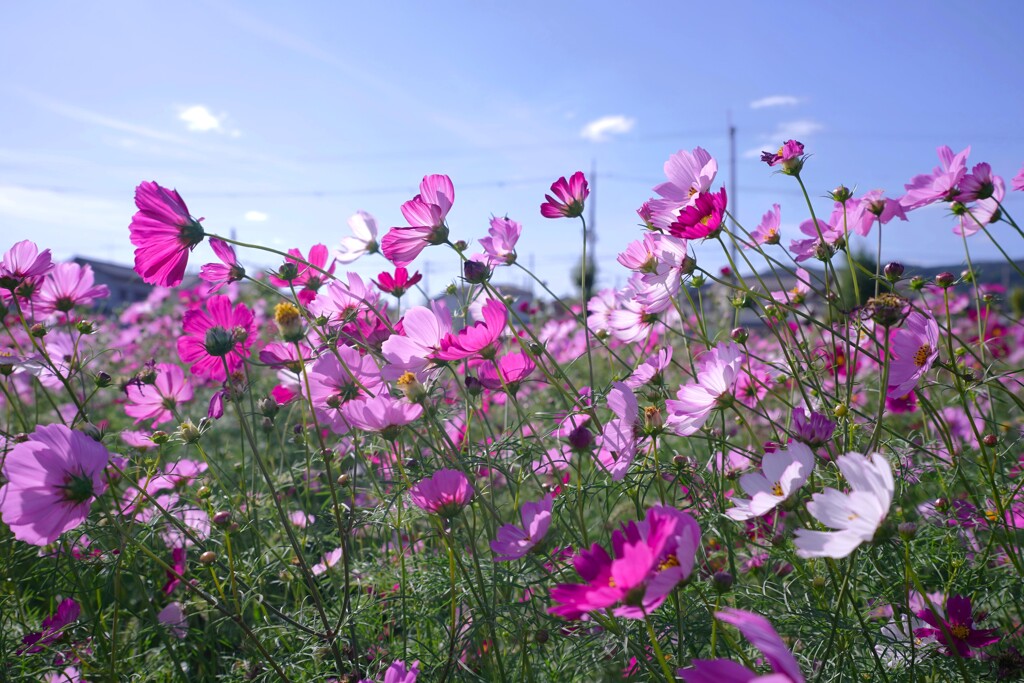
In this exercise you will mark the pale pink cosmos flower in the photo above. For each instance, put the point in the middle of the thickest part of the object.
(477, 339)
(763, 636)
(69, 285)
(641, 255)
(689, 175)
(662, 283)
(425, 213)
(24, 262)
(513, 542)
(500, 243)
(415, 349)
(856, 516)
(715, 386)
(52, 479)
(155, 401)
(382, 413)
(342, 299)
(822, 240)
(798, 293)
(444, 493)
(173, 617)
(782, 473)
(164, 233)
(337, 378)
(618, 443)
(227, 271)
(767, 231)
(914, 348)
(1017, 182)
(507, 372)
(940, 184)
(983, 212)
(330, 559)
(650, 370)
(362, 241)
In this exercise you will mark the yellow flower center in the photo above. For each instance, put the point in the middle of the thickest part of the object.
(959, 631)
(406, 379)
(921, 355)
(670, 561)
(777, 489)
(286, 314)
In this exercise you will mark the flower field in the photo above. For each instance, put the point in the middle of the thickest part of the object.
(807, 466)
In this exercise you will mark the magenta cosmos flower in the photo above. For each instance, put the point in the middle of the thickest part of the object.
(311, 271)
(217, 333)
(514, 542)
(398, 284)
(478, 338)
(959, 624)
(445, 493)
(915, 347)
(703, 218)
(163, 233)
(227, 271)
(425, 213)
(52, 479)
(569, 197)
(651, 558)
(760, 633)
(790, 156)
(53, 627)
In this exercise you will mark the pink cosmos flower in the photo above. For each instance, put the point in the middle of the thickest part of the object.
(651, 558)
(69, 285)
(689, 175)
(425, 213)
(703, 218)
(398, 284)
(53, 627)
(334, 380)
(569, 197)
(311, 271)
(52, 479)
(173, 617)
(822, 241)
(382, 413)
(782, 474)
(758, 631)
(815, 429)
(650, 370)
(662, 282)
(619, 442)
(940, 184)
(959, 624)
(915, 348)
(414, 350)
(156, 401)
(500, 243)
(873, 207)
(478, 338)
(399, 673)
(342, 299)
(164, 233)
(857, 515)
(24, 263)
(767, 231)
(507, 372)
(219, 332)
(790, 155)
(1017, 182)
(796, 295)
(362, 241)
(983, 212)
(514, 542)
(330, 559)
(444, 493)
(716, 383)
(227, 271)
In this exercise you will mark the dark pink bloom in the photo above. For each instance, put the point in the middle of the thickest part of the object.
(178, 566)
(940, 184)
(52, 479)
(53, 627)
(978, 184)
(703, 218)
(24, 262)
(569, 197)
(164, 233)
(915, 347)
(760, 633)
(156, 401)
(444, 493)
(514, 542)
(815, 429)
(983, 212)
(217, 333)
(478, 338)
(508, 372)
(790, 155)
(959, 624)
(311, 271)
(651, 558)
(228, 270)
(69, 285)
(397, 284)
(425, 213)
(398, 672)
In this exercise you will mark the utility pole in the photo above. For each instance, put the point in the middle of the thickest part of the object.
(732, 189)
(592, 219)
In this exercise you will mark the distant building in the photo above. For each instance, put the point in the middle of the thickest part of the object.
(125, 286)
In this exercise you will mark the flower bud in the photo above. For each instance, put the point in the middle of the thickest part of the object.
(288, 271)
(204, 492)
(893, 271)
(841, 194)
(222, 518)
(907, 530)
(841, 410)
(103, 380)
(188, 432)
(85, 326)
(887, 309)
(967, 276)
(990, 440)
(208, 558)
(739, 335)
(917, 283)
(289, 321)
(460, 246)
(722, 581)
(580, 438)
(945, 280)
(697, 281)
(267, 406)
(159, 437)
(475, 272)
(38, 330)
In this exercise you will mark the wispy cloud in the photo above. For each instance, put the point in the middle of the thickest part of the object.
(73, 223)
(775, 101)
(199, 118)
(800, 129)
(602, 129)
(256, 216)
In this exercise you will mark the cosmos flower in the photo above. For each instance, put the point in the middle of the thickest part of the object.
(227, 271)
(959, 624)
(444, 493)
(703, 218)
(715, 386)
(398, 284)
(767, 231)
(217, 333)
(940, 184)
(362, 241)
(52, 479)
(782, 473)
(513, 542)
(758, 631)
(856, 516)
(163, 233)
(22, 263)
(915, 348)
(156, 401)
(425, 213)
(500, 243)
(569, 197)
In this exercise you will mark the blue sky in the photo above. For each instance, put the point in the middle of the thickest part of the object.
(281, 121)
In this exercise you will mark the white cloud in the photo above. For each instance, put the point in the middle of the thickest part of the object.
(601, 130)
(797, 129)
(199, 118)
(256, 216)
(775, 101)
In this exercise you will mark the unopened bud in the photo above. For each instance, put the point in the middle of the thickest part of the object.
(841, 410)
(967, 276)
(460, 246)
(945, 280)
(907, 530)
(267, 406)
(38, 330)
(222, 518)
(103, 379)
(917, 283)
(841, 194)
(203, 492)
(208, 558)
(85, 326)
(990, 440)
(739, 335)
(893, 271)
(722, 581)
(288, 271)
(475, 272)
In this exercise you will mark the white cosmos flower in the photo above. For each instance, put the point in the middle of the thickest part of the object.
(782, 473)
(856, 515)
(363, 240)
